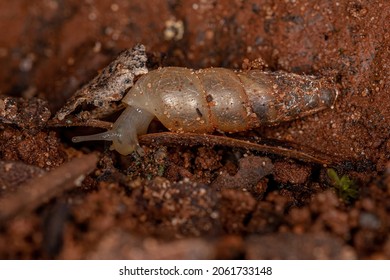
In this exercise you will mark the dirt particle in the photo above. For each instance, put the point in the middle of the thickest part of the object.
(251, 170)
(292, 173)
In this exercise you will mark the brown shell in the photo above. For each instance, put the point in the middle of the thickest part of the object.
(222, 99)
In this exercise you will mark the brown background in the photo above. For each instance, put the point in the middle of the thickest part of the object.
(48, 49)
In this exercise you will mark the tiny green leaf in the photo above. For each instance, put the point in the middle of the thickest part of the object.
(345, 187)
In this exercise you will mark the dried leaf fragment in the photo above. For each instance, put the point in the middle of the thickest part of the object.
(109, 85)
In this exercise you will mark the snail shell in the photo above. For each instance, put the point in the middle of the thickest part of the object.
(202, 101)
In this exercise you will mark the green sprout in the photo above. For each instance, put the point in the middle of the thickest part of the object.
(161, 170)
(345, 188)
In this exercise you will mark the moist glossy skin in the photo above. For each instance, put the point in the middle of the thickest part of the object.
(202, 101)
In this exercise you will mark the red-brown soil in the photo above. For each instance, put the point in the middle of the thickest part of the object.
(198, 202)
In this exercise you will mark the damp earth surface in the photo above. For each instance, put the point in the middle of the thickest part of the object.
(195, 201)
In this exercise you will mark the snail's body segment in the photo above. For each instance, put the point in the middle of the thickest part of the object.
(202, 101)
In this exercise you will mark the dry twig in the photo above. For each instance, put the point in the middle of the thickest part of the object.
(191, 139)
(42, 189)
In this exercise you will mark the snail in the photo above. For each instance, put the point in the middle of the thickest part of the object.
(214, 99)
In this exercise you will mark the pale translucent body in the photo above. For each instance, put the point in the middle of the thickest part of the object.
(202, 101)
